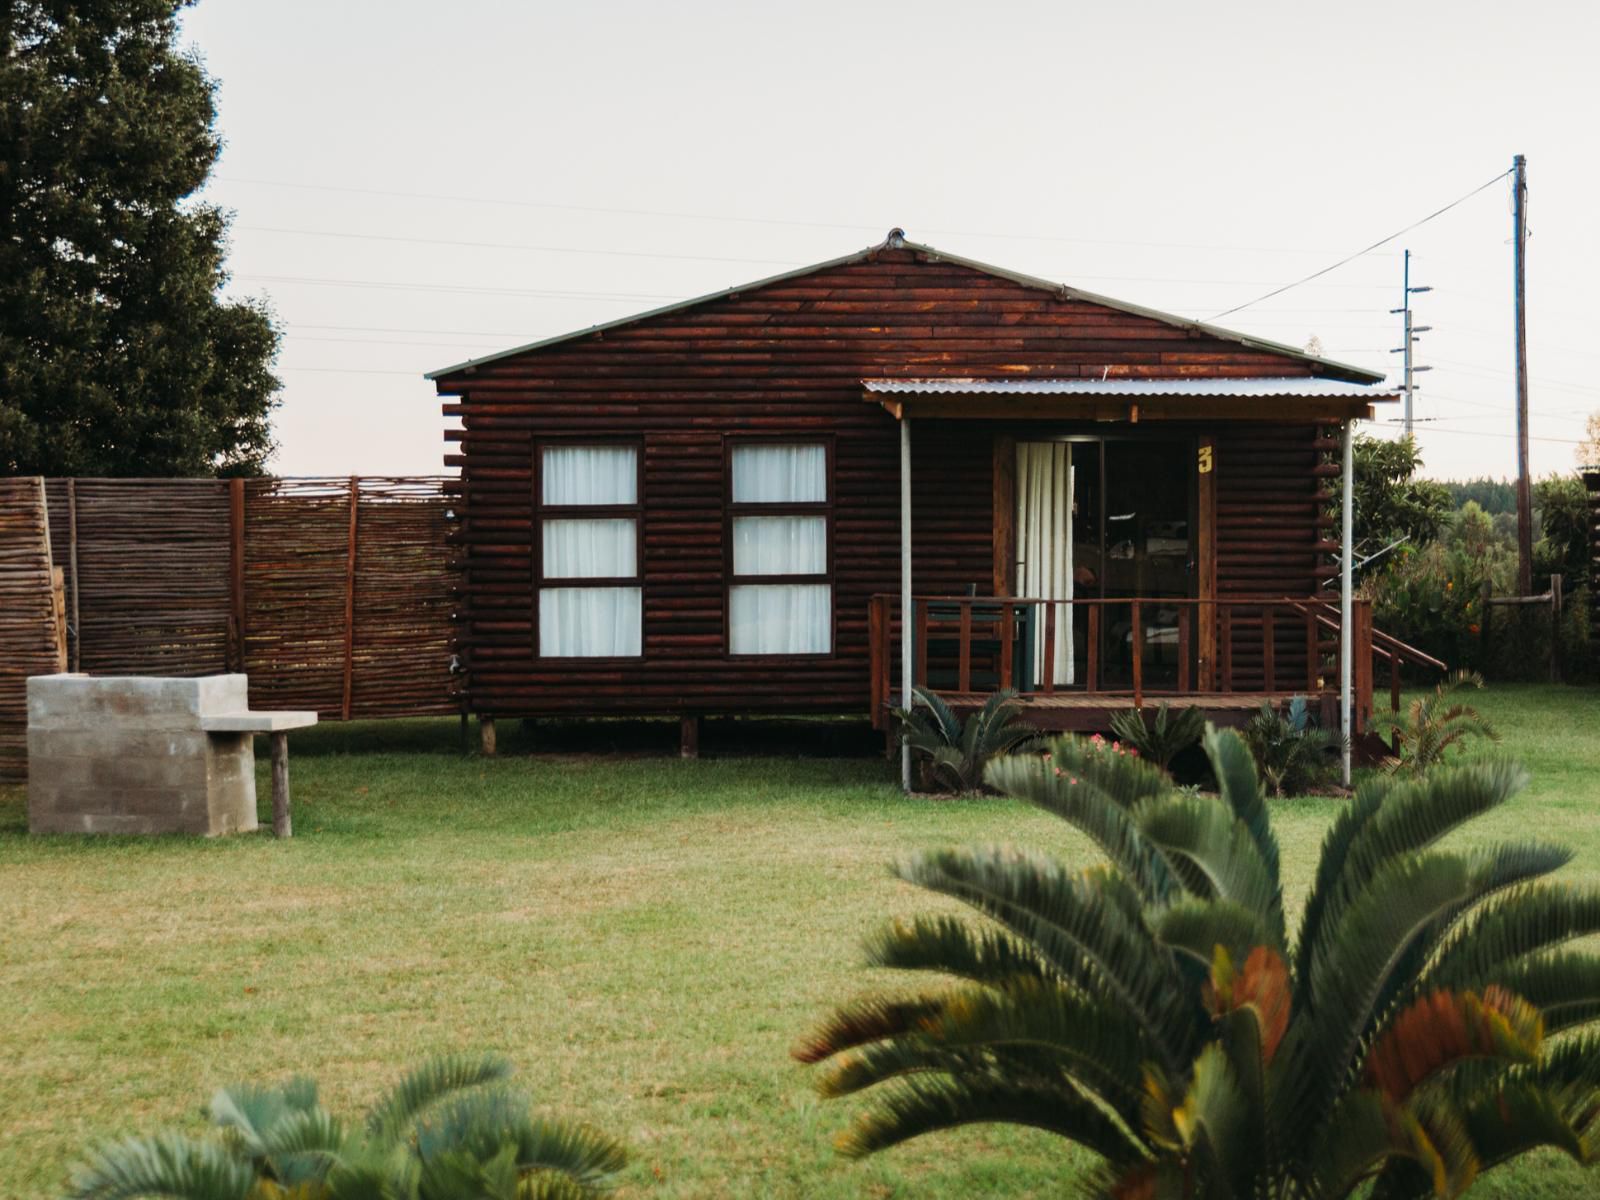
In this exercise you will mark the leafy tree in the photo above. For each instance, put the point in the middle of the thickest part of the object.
(449, 1130)
(1562, 504)
(1391, 502)
(1154, 1009)
(1494, 496)
(117, 355)
(1588, 451)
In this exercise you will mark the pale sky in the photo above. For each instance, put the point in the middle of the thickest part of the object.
(417, 183)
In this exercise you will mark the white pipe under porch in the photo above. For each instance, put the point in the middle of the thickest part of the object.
(1347, 507)
(905, 591)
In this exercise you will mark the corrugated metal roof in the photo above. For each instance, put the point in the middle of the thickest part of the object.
(1303, 387)
(897, 240)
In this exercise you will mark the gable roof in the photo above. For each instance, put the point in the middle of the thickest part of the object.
(897, 241)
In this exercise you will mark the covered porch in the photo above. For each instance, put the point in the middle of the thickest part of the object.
(1123, 573)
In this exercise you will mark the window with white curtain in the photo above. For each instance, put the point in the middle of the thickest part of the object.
(780, 594)
(590, 598)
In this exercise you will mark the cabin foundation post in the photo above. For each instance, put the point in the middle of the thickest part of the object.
(486, 735)
(1347, 510)
(689, 736)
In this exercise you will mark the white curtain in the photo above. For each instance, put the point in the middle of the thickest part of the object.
(780, 618)
(1044, 546)
(780, 474)
(780, 545)
(579, 622)
(590, 622)
(597, 548)
(590, 475)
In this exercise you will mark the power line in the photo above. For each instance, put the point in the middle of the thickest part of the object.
(428, 241)
(1367, 250)
(536, 293)
(744, 220)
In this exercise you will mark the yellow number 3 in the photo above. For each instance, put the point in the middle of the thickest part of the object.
(1205, 460)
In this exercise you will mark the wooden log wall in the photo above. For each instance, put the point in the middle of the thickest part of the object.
(32, 641)
(1274, 535)
(786, 360)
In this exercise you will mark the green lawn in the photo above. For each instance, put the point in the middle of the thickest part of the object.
(645, 937)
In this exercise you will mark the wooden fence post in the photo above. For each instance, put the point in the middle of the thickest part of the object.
(350, 597)
(1555, 627)
(72, 559)
(236, 574)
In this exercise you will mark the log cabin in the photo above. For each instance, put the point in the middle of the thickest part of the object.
(903, 467)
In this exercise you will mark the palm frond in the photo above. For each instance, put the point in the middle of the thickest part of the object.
(1096, 793)
(1441, 1029)
(1086, 937)
(1564, 987)
(1352, 963)
(952, 946)
(1520, 1117)
(1215, 855)
(1393, 822)
(426, 1085)
(488, 1124)
(870, 1019)
(1238, 784)
(915, 1106)
(1523, 922)
(1196, 928)
(167, 1166)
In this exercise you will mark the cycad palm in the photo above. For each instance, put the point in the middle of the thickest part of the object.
(450, 1130)
(954, 753)
(1435, 724)
(1154, 1010)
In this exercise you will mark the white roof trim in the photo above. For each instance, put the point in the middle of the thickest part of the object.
(1304, 387)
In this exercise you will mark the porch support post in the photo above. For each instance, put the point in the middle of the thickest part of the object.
(906, 623)
(1347, 512)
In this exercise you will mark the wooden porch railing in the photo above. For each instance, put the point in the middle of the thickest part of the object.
(1239, 645)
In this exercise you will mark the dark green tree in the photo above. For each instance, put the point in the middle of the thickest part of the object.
(118, 355)
(1391, 502)
(1562, 505)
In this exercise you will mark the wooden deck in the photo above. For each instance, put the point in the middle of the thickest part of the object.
(1064, 712)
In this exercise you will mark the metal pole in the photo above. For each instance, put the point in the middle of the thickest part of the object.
(1519, 220)
(906, 623)
(1406, 302)
(1346, 576)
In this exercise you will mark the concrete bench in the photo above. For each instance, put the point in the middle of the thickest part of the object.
(142, 754)
(278, 725)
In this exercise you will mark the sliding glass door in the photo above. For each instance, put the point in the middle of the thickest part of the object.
(1107, 518)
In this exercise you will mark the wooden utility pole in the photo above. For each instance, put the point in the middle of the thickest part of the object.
(1519, 244)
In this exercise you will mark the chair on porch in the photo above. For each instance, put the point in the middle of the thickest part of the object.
(985, 646)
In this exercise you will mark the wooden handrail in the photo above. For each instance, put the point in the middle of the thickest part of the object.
(982, 642)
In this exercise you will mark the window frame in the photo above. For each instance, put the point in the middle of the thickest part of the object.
(543, 512)
(825, 509)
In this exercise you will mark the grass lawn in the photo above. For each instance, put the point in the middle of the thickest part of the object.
(644, 937)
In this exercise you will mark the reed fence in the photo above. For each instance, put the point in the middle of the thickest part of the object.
(332, 594)
(32, 637)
